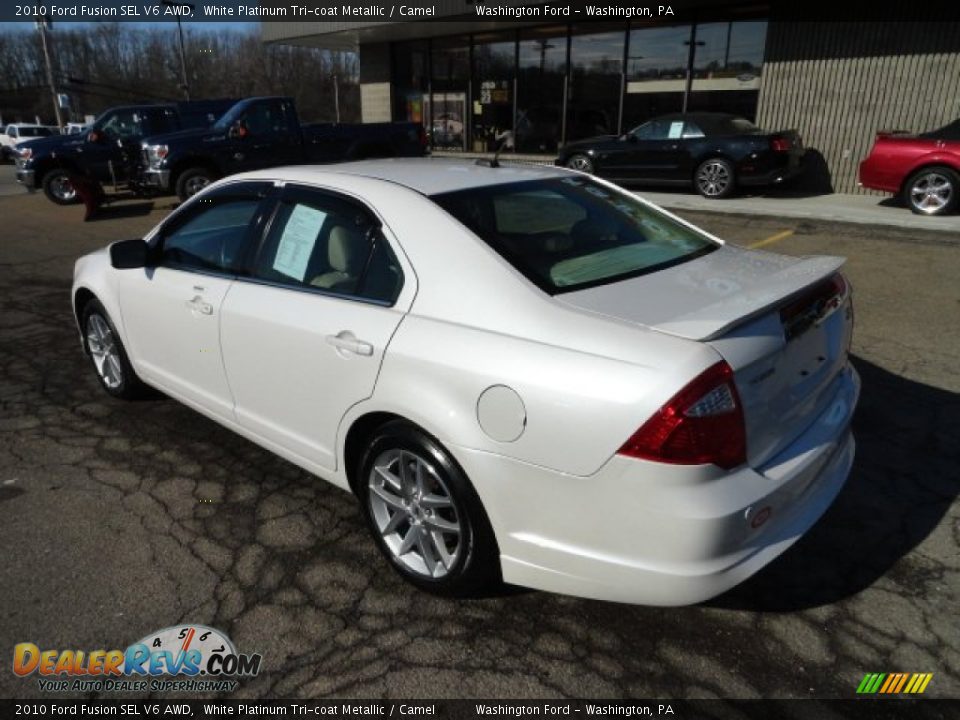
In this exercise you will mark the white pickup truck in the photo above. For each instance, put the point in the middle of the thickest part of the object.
(16, 133)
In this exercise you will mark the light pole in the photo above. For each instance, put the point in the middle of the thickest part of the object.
(43, 26)
(183, 60)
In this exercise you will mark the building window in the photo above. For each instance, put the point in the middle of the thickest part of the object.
(450, 86)
(727, 66)
(657, 61)
(494, 72)
(410, 80)
(596, 79)
(541, 75)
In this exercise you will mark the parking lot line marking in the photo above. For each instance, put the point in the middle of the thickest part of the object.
(770, 240)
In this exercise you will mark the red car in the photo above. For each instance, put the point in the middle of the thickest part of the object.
(924, 169)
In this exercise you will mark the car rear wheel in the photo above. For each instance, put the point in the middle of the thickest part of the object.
(715, 179)
(193, 181)
(580, 162)
(108, 355)
(932, 191)
(58, 187)
(425, 515)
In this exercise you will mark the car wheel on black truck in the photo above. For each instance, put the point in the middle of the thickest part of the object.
(58, 188)
(193, 180)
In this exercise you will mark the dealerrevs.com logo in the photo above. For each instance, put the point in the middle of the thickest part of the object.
(184, 658)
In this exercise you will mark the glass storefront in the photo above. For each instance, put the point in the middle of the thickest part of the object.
(494, 72)
(541, 91)
(596, 82)
(558, 83)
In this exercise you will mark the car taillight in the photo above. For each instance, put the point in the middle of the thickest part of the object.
(701, 424)
(780, 144)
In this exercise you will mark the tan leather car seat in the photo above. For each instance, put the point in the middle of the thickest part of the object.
(344, 256)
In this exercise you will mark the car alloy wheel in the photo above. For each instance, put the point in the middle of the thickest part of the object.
(714, 178)
(109, 357)
(59, 188)
(415, 513)
(196, 184)
(424, 514)
(580, 162)
(104, 351)
(931, 192)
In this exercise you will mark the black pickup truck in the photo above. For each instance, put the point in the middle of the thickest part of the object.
(265, 132)
(109, 153)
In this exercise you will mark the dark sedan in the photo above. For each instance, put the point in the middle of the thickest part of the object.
(714, 152)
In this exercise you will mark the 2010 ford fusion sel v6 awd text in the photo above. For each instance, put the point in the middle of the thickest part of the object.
(524, 373)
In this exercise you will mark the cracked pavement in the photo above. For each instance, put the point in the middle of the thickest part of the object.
(118, 519)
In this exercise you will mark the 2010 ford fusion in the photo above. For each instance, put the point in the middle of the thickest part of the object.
(524, 373)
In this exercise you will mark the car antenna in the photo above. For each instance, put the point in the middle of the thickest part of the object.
(506, 140)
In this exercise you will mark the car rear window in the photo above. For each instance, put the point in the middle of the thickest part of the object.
(567, 234)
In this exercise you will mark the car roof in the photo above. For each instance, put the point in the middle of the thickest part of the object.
(429, 176)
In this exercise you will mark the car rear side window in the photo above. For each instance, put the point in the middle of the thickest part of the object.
(571, 233)
(322, 242)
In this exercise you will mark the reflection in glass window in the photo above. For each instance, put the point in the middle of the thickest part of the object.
(541, 72)
(656, 72)
(596, 62)
(727, 67)
(494, 59)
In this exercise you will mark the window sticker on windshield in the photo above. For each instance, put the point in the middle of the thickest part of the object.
(296, 243)
(676, 130)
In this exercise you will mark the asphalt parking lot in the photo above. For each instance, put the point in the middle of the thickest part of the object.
(118, 519)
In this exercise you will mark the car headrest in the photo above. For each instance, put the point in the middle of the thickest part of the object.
(343, 249)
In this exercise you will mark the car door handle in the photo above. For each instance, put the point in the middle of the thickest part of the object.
(348, 342)
(198, 305)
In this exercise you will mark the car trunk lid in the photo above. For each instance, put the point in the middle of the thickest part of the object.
(771, 317)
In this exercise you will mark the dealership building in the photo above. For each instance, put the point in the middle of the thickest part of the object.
(549, 82)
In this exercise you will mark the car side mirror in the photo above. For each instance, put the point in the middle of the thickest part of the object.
(629, 137)
(130, 254)
(237, 131)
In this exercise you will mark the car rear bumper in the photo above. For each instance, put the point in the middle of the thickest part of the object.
(772, 176)
(657, 534)
(877, 175)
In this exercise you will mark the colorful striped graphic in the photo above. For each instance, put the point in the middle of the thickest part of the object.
(894, 683)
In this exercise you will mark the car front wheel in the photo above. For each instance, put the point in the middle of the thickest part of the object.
(193, 181)
(932, 191)
(580, 162)
(58, 187)
(714, 178)
(425, 515)
(108, 355)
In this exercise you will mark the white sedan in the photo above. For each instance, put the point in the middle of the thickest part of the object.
(524, 373)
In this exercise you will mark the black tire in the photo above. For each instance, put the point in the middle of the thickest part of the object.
(932, 191)
(55, 186)
(715, 179)
(581, 162)
(193, 180)
(475, 563)
(129, 387)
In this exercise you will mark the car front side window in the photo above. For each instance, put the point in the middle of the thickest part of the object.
(211, 239)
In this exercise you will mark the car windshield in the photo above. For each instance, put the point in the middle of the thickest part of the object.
(567, 234)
